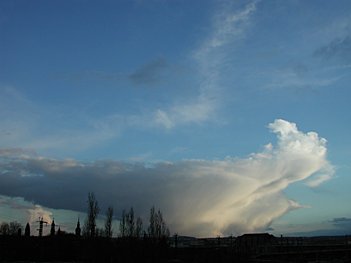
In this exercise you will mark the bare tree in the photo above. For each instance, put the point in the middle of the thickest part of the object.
(122, 224)
(161, 229)
(152, 223)
(128, 226)
(13, 228)
(157, 228)
(4, 229)
(99, 232)
(108, 223)
(93, 211)
(138, 227)
(130, 223)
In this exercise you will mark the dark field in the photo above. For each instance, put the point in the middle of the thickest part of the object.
(246, 248)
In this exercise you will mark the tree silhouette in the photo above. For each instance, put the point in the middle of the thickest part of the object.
(108, 223)
(4, 229)
(27, 230)
(130, 223)
(128, 226)
(93, 211)
(13, 228)
(122, 224)
(138, 227)
(157, 227)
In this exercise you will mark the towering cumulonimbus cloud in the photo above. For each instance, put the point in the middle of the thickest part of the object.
(198, 197)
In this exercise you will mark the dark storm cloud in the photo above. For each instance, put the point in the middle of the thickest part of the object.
(149, 73)
(343, 223)
(199, 197)
(339, 48)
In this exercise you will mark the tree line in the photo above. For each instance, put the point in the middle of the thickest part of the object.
(10, 229)
(130, 226)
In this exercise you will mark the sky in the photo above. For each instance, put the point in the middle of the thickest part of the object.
(230, 117)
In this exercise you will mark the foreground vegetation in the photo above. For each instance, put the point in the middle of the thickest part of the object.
(137, 243)
(130, 226)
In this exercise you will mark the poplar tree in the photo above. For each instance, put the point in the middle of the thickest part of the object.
(93, 211)
(108, 223)
(157, 227)
(122, 224)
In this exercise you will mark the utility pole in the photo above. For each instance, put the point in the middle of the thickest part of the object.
(41, 225)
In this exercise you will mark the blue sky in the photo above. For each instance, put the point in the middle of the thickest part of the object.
(194, 97)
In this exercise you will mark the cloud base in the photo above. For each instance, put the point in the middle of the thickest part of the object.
(197, 197)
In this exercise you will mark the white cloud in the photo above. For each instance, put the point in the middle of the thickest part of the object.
(29, 211)
(227, 28)
(198, 197)
(324, 175)
(58, 130)
(163, 119)
(195, 112)
(289, 79)
(39, 212)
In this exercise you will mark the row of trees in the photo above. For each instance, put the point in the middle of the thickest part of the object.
(14, 228)
(130, 226)
(10, 229)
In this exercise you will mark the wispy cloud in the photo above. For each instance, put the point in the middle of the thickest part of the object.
(149, 73)
(336, 226)
(199, 197)
(227, 28)
(324, 175)
(342, 223)
(320, 58)
(339, 220)
(338, 48)
(24, 124)
(290, 79)
(195, 111)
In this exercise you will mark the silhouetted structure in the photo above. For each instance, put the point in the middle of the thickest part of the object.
(52, 230)
(93, 211)
(157, 228)
(156, 246)
(41, 225)
(13, 228)
(254, 243)
(78, 231)
(108, 222)
(27, 230)
(122, 224)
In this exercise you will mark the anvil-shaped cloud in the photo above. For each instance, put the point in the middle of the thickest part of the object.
(198, 197)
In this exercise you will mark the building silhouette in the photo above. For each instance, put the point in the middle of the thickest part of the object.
(27, 230)
(52, 230)
(78, 228)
